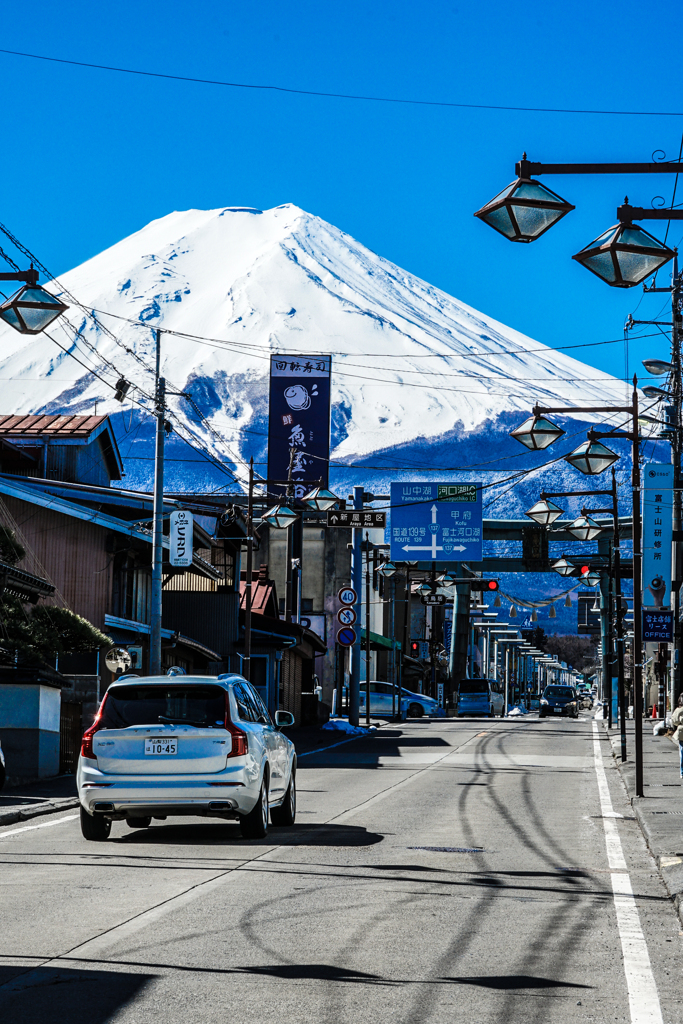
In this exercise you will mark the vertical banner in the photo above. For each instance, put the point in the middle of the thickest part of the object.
(299, 419)
(182, 529)
(658, 483)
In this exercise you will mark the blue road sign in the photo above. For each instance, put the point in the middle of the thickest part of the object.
(436, 522)
(346, 636)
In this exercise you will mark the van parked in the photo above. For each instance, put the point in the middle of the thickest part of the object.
(481, 697)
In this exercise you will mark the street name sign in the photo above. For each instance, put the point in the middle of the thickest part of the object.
(346, 616)
(346, 636)
(436, 522)
(347, 595)
(370, 520)
(433, 599)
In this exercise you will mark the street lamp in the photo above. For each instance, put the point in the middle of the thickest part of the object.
(654, 392)
(280, 517)
(524, 210)
(386, 569)
(657, 367)
(544, 512)
(591, 458)
(564, 568)
(537, 432)
(624, 255)
(320, 499)
(32, 308)
(584, 528)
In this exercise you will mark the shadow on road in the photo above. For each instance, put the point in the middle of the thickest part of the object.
(45, 995)
(505, 982)
(229, 833)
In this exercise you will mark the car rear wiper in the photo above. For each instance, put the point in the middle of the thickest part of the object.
(180, 721)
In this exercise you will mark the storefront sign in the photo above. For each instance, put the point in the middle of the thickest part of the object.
(299, 422)
(658, 483)
(182, 528)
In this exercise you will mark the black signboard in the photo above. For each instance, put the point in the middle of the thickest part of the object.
(366, 520)
(658, 626)
(433, 598)
(299, 420)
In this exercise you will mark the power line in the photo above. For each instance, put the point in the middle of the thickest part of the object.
(340, 95)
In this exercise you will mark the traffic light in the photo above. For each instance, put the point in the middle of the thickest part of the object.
(487, 586)
(414, 648)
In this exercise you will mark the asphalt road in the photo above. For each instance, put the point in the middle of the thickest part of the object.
(441, 871)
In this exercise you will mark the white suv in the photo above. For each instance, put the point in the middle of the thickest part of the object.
(186, 745)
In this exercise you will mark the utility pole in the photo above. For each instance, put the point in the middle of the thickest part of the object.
(367, 628)
(246, 660)
(678, 479)
(357, 581)
(637, 597)
(158, 526)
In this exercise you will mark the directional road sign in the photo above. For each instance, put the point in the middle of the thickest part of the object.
(346, 636)
(347, 595)
(364, 520)
(346, 616)
(436, 522)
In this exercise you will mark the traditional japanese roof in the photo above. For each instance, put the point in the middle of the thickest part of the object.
(263, 597)
(67, 429)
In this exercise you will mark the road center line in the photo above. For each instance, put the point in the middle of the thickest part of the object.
(642, 989)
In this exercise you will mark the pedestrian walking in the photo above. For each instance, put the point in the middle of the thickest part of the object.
(677, 722)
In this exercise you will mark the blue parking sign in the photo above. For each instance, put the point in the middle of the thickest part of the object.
(436, 522)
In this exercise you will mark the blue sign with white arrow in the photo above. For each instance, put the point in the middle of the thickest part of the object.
(436, 522)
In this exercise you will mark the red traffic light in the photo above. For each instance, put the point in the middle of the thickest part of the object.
(492, 584)
(414, 647)
(585, 569)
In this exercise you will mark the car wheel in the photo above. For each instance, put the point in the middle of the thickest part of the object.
(2, 775)
(415, 711)
(286, 812)
(254, 825)
(138, 822)
(94, 829)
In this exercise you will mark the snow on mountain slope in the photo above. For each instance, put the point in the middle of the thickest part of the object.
(414, 369)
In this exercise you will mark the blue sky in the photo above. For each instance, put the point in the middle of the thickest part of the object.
(90, 156)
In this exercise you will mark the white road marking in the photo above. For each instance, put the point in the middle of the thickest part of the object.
(44, 824)
(642, 989)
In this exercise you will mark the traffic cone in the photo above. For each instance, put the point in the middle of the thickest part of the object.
(654, 710)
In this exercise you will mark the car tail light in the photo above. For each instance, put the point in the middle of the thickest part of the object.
(86, 742)
(240, 741)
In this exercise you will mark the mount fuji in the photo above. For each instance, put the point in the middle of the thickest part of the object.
(421, 382)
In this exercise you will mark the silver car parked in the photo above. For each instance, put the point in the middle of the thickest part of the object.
(191, 745)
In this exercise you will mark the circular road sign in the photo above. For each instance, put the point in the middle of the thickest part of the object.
(347, 595)
(346, 616)
(346, 636)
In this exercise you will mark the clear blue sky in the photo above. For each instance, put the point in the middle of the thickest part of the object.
(90, 156)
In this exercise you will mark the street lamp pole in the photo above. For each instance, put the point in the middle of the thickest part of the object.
(158, 525)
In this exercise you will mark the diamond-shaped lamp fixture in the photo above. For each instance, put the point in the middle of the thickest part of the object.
(591, 579)
(544, 512)
(424, 588)
(564, 568)
(280, 517)
(584, 528)
(624, 255)
(321, 499)
(537, 432)
(592, 457)
(31, 309)
(524, 210)
(386, 569)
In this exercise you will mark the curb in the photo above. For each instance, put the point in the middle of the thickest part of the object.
(26, 811)
(669, 866)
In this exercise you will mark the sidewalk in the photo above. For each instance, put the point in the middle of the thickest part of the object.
(660, 810)
(17, 803)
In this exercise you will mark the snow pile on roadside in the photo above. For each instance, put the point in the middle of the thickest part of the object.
(343, 725)
(514, 712)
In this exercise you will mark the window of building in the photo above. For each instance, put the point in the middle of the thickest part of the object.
(306, 604)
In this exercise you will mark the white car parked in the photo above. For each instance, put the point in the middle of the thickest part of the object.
(186, 745)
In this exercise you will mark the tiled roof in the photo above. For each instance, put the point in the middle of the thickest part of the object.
(53, 426)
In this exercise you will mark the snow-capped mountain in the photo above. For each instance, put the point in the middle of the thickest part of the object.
(421, 381)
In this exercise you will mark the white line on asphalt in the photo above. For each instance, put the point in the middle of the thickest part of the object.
(642, 989)
(29, 828)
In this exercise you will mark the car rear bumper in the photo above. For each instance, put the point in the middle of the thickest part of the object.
(226, 794)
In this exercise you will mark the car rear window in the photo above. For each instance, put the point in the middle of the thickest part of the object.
(563, 692)
(151, 705)
(474, 686)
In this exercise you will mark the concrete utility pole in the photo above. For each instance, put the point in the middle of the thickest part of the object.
(158, 525)
(246, 660)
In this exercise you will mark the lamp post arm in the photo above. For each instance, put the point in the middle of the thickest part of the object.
(627, 213)
(542, 410)
(29, 276)
(571, 494)
(529, 168)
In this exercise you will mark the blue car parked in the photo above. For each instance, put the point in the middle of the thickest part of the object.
(481, 697)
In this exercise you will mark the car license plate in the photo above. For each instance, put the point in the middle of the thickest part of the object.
(558, 711)
(162, 746)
